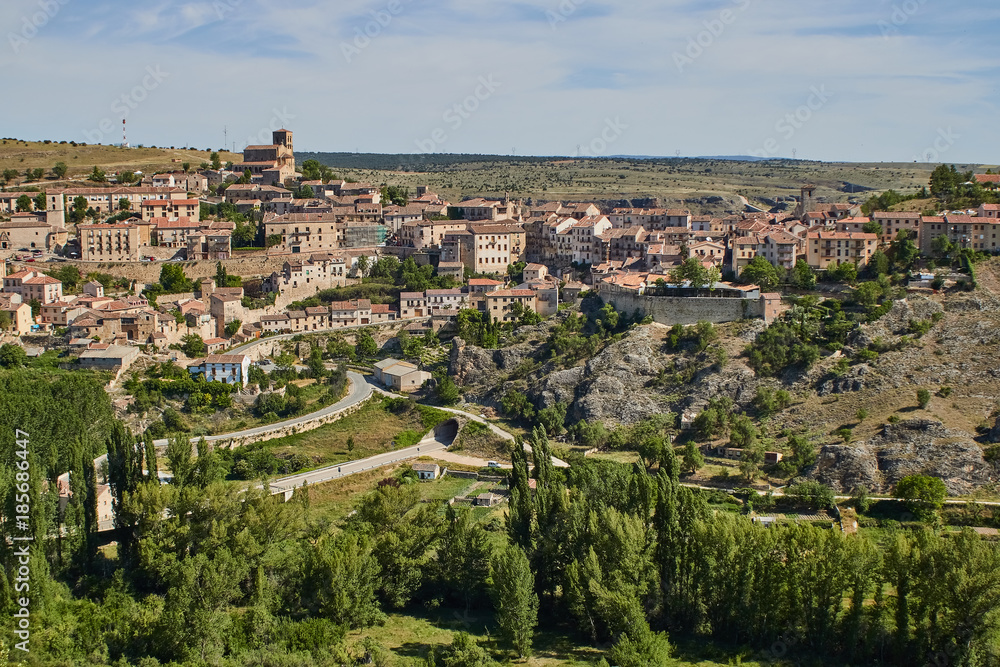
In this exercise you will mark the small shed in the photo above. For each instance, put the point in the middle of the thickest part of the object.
(487, 499)
(427, 470)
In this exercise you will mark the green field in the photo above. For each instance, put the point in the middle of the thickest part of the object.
(374, 428)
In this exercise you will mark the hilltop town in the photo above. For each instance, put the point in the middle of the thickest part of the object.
(348, 354)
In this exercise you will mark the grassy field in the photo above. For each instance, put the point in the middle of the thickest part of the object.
(409, 637)
(81, 159)
(373, 428)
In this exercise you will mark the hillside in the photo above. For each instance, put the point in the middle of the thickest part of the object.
(888, 435)
(706, 185)
(81, 159)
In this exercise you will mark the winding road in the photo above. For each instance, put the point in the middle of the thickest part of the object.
(359, 390)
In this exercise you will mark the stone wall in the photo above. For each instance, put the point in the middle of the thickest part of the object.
(690, 310)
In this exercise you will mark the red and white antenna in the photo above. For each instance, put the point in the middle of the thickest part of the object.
(124, 136)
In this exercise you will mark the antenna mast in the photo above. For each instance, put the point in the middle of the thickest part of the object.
(124, 136)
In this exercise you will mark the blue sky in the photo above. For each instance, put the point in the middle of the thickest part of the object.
(857, 80)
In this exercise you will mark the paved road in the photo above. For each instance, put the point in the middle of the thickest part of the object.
(429, 445)
(558, 463)
(359, 390)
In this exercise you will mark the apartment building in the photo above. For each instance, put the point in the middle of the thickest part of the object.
(302, 232)
(977, 233)
(824, 249)
(117, 242)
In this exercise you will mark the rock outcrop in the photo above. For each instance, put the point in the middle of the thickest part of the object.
(913, 447)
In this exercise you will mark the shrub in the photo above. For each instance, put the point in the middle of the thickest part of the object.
(923, 398)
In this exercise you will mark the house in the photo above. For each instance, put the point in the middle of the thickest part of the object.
(533, 272)
(487, 500)
(173, 233)
(989, 211)
(485, 247)
(109, 358)
(29, 231)
(585, 240)
(412, 304)
(60, 313)
(400, 375)
(483, 285)
(782, 249)
(117, 242)
(170, 209)
(427, 470)
(227, 368)
(301, 232)
(978, 233)
(824, 249)
(15, 314)
(454, 270)
(500, 304)
(214, 345)
(894, 222)
(444, 299)
(422, 234)
(93, 288)
(108, 200)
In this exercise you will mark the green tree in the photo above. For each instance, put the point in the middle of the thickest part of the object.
(39, 201)
(193, 345)
(9, 175)
(923, 398)
(692, 272)
(173, 280)
(232, 327)
(24, 204)
(760, 272)
(868, 294)
(871, 227)
(693, 459)
(12, 356)
(98, 175)
(447, 391)
(124, 204)
(878, 263)
(924, 495)
(363, 263)
(365, 345)
(186, 166)
(216, 160)
(514, 598)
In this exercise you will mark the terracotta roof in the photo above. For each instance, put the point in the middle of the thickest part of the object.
(225, 358)
(510, 293)
(484, 282)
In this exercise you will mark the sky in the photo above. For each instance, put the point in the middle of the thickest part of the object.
(852, 80)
